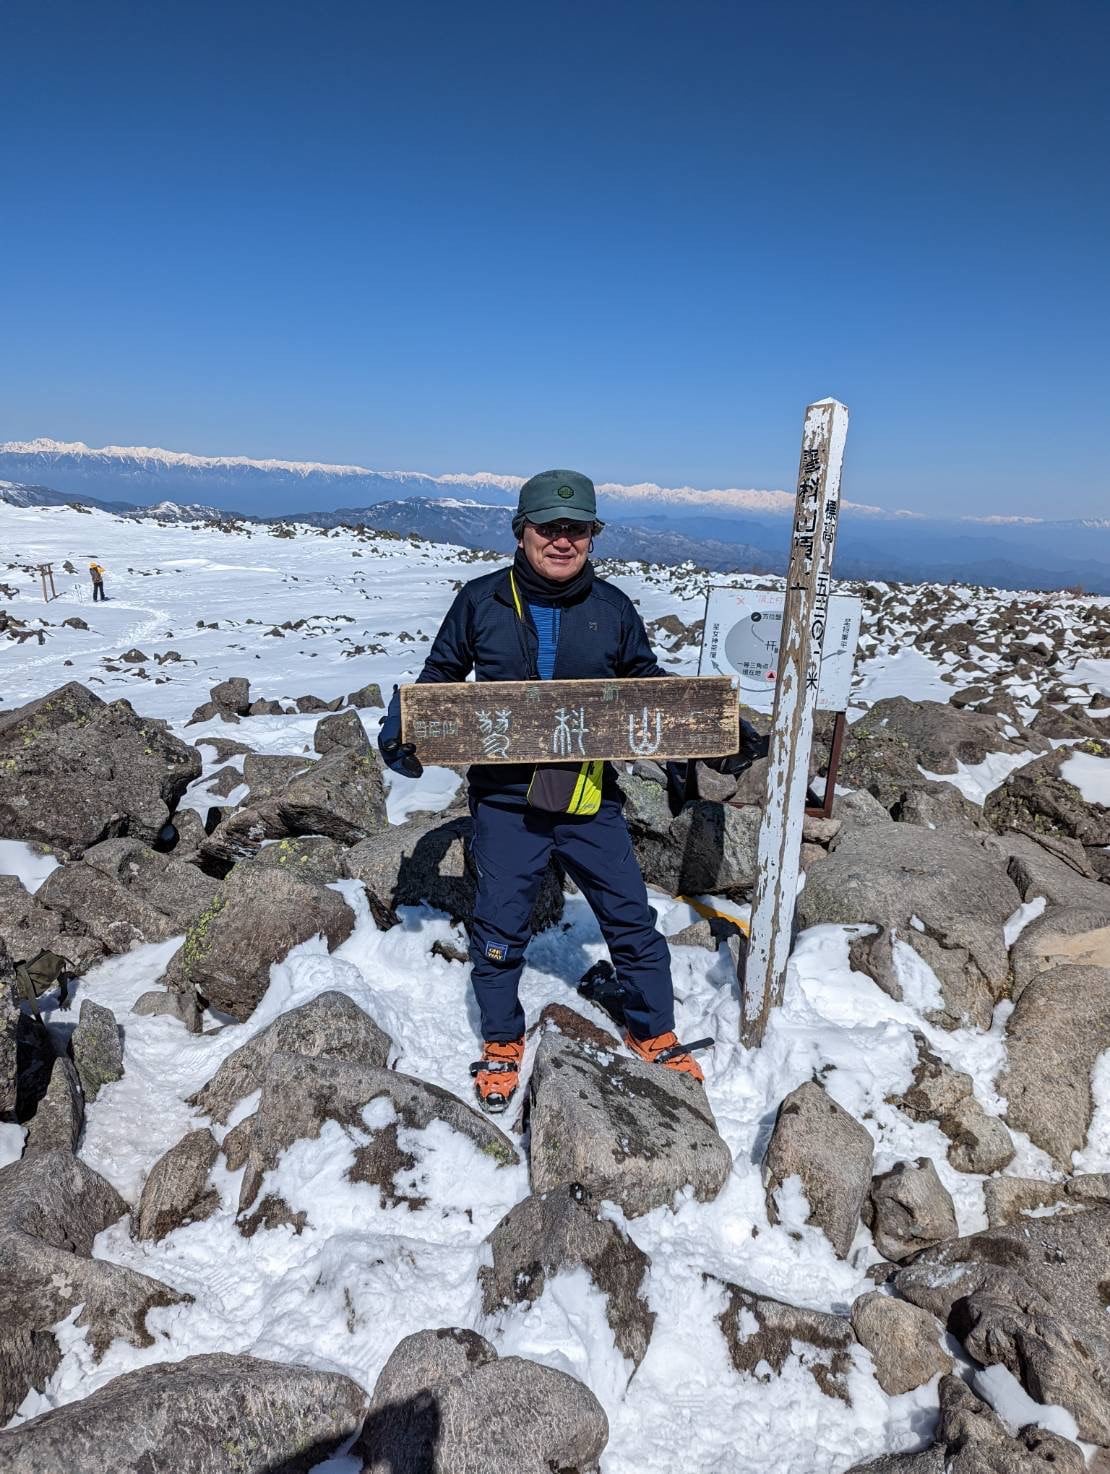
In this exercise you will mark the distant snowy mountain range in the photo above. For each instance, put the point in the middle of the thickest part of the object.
(269, 487)
(721, 529)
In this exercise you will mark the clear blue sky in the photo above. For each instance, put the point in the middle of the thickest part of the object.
(635, 238)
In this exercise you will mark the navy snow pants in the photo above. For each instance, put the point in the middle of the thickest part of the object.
(510, 848)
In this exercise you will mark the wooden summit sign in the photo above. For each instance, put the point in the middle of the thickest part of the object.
(455, 723)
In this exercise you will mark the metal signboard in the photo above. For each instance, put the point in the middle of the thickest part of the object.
(743, 628)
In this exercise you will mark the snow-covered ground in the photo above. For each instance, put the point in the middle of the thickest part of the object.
(361, 1276)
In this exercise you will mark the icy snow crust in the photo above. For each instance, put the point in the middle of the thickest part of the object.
(360, 1277)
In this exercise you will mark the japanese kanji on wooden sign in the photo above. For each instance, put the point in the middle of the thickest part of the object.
(559, 721)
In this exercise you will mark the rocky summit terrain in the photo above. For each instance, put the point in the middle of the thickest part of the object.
(250, 1219)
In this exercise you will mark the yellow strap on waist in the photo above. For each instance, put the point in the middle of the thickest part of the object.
(586, 798)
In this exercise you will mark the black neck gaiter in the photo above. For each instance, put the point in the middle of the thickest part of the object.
(535, 589)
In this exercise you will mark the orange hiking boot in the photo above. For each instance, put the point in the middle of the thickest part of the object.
(497, 1074)
(665, 1050)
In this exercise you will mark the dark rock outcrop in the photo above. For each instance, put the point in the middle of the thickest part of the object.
(260, 913)
(559, 1230)
(625, 1130)
(300, 1093)
(51, 1208)
(1031, 1297)
(204, 1415)
(330, 1024)
(762, 1333)
(444, 1400)
(955, 887)
(75, 770)
(1059, 1027)
(817, 1141)
(176, 1190)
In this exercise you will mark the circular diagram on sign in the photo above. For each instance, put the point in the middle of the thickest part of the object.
(751, 648)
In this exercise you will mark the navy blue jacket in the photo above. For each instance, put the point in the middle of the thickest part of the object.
(601, 636)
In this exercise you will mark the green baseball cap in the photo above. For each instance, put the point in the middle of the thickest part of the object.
(557, 496)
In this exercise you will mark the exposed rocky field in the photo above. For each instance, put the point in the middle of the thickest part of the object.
(249, 1217)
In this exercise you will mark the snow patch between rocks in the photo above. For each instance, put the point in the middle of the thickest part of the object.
(1090, 774)
(976, 780)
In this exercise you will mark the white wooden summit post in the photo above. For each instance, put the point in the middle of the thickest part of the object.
(808, 584)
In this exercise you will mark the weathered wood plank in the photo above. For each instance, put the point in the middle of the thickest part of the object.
(808, 585)
(564, 721)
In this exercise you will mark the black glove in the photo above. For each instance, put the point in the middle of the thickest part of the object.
(753, 745)
(397, 755)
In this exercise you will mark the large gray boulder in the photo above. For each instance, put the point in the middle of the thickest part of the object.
(1039, 799)
(59, 1113)
(1030, 1296)
(909, 1209)
(945, 894)
(259, 915)
(340, 796)
(904, 1341)
(341, 731)
(559, 1230)
(1053, 866)
(708, 847)
(97, 1048)
(330, 1024)
(934, 805)
(859, 809)
(715, 848)
(762, 1333)
(27, 927)
(232, 695)
(445, 1403)
(240, 835)
(626, 1130)
(176, 1190)
(175, 891)
(300, 1093)
(214, 1414)
(51, 1208)
(85, 901)
(427, 860)
(817, 1141)
(886, 750)
(368, 695)
(75, 770)
(1059, 1027)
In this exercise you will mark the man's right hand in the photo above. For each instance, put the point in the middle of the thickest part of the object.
(399, 756)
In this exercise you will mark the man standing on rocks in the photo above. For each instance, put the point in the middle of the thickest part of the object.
(549, 617)
(96, 573)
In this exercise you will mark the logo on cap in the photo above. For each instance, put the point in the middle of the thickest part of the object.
(566, 492)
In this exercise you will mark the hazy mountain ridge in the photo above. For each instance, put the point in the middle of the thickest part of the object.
(721, 531)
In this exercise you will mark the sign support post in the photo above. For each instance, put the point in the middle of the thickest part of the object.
(808, 582)
(46, 574)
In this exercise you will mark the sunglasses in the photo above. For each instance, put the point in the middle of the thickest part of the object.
(550, 531)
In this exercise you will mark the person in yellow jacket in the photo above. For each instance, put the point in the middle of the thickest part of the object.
(96, 573)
